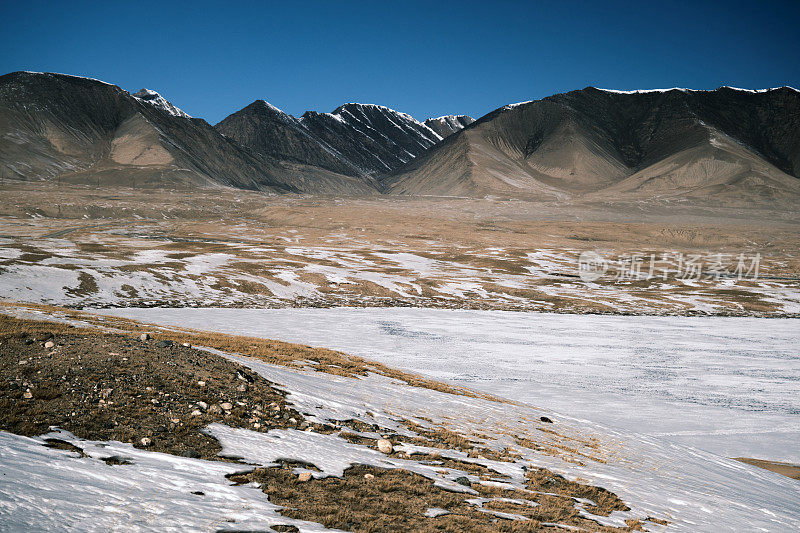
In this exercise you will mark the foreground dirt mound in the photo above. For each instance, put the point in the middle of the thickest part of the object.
(374, 499)
(154, 394)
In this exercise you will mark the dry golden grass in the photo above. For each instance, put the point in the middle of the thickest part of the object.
(124, 221)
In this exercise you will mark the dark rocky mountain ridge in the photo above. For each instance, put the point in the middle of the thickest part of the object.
(726, 145)
(83, 130)
(359, 140)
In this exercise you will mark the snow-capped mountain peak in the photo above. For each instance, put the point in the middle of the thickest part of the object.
(156, 100)
(685, 90)
(447, 125)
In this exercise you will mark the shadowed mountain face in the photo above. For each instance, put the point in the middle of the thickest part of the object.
(449, 124)
(55, 126)
(373, 138)
(268, 130)
(355, 140)
(727, 144)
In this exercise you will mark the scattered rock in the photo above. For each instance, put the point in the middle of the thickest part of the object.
(242, 387)
(164, 344)
(105, 393)
(27, 394)
(202, 405)
(227, 406)
(197, 412)
(244, 376)
(368, 476)
(385, 446)
(304, 476)
(146, 441)
(215, 410)
(201, 383)
(462, 480)
(145, 336)
(49, 344)
(545, 419)
(186, 345)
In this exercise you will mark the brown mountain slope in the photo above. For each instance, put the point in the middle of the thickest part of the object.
(55, 126)
(728, 143)
(79, 130)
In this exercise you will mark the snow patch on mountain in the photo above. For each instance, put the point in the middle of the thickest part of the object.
(447, 125)
(685, 90)
(366, 114)
(66, 76)
(512, 106)
(154, 99)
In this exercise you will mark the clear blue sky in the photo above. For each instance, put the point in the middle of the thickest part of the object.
(424, 58)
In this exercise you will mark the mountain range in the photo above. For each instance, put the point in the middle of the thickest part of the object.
(720, 146)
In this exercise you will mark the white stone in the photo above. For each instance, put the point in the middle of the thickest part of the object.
(385, 446)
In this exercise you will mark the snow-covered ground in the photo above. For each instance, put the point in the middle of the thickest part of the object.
(45, 489)
(727, 385)
(533, 358)
(48, 490)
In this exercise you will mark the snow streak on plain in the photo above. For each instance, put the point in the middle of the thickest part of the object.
(727, 385)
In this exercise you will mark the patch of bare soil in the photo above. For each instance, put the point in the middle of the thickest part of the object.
(369, 499)
(785, 469)
(155, 394)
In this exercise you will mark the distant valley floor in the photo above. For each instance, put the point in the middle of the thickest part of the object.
(90, 247)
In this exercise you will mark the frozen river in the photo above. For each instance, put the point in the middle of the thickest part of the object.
(727, 385)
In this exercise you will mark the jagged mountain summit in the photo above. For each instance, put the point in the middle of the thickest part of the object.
(268, 130)
(447, 125)
(722, 145)
(159, 102)
(82, 130)
(357, 140)
(375, 138)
